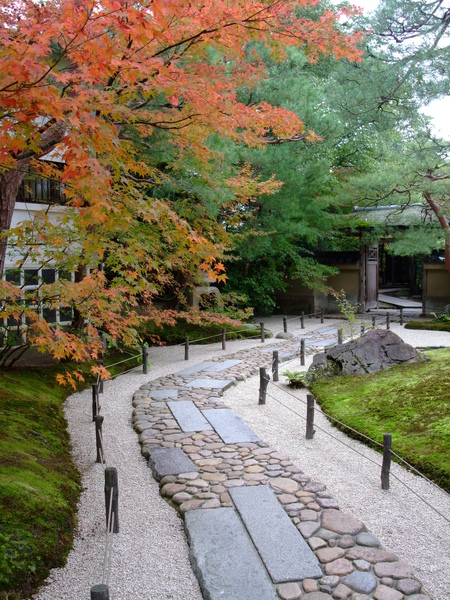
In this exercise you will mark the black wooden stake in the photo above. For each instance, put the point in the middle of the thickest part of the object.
(186, 348)
(363, 328)
(386, 467)
(321, 315)
(340, 335)
(284, 324)
(100, 381)
(98, 438)
(100, 592)
(262, 332)
(309, 417)
(95, 402)
(263, 383)
(145, 360)
(302, 352)
(373, 321)
(302, 320)
(275, 366)
(388, 321)
(111, 483)
(224, 339)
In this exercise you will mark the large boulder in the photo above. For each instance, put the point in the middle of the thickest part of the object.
(377, 350)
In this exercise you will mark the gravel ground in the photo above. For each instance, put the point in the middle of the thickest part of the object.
(150, 554)
(403, 522)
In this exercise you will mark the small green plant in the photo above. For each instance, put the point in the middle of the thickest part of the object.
(348, 309)
(441, 318)
(297, 379)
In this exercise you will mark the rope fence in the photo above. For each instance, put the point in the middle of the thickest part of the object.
(101, 591)
(311, 428)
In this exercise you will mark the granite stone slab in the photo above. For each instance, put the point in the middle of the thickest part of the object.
(188, 416)
(321, 343)
(221, 366)
(223, 557)
(217, 384)
(282, 548)
(162, 394)
(229, 426)
(169, 461)
(196, 368)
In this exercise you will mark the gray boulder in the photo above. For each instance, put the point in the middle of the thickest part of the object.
(377, 350)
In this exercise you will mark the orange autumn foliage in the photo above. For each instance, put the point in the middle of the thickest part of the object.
(94, 81)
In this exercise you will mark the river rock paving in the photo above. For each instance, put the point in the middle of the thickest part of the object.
(351, 564)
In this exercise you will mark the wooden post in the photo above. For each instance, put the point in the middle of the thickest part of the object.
(111, 483)
(401, 316)
(98, 438)
(302, 352)
(321, 315)
(224, 339)
(373, 321)
(340, 334)
(302, 320)
(363, 328)
(284, 324)
(262, 332)
(186, 348)
(388, 321)
(100, 592)
(95, 403)
(309, 417)
(275, 366)
(386, 467)
(263, 383)
(145, 360)
(100, 381)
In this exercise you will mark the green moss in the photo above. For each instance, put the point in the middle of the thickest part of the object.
(39, 484)
(177, 334)
(412, 402)
(428, 325)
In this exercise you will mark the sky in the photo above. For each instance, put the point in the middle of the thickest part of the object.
(439, 110)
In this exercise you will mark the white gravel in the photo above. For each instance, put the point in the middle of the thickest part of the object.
(401, 520)
(150, 554)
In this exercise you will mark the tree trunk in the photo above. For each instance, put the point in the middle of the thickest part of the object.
(437, 209)
(9, 188)
(50, 136)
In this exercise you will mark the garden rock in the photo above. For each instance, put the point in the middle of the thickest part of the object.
(377, 350)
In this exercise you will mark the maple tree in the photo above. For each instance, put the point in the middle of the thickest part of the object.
(100, 83)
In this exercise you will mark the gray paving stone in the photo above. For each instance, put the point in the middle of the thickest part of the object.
(283, 550)
(188, 416)
(365, 583)
(169, 461)
(221, 366)
(217, 384)
(320, 343)
(229, 426)
(162, 394)
(223, 558)
(196, 368)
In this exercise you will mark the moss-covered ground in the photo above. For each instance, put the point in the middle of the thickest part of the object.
(411, 402)
(211, 331)
(39, 484)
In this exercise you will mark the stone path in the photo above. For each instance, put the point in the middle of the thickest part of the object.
(258, 526)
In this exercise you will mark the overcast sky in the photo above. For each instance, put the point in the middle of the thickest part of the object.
(439, 110)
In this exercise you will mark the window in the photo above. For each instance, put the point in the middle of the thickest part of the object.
(31, 280)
